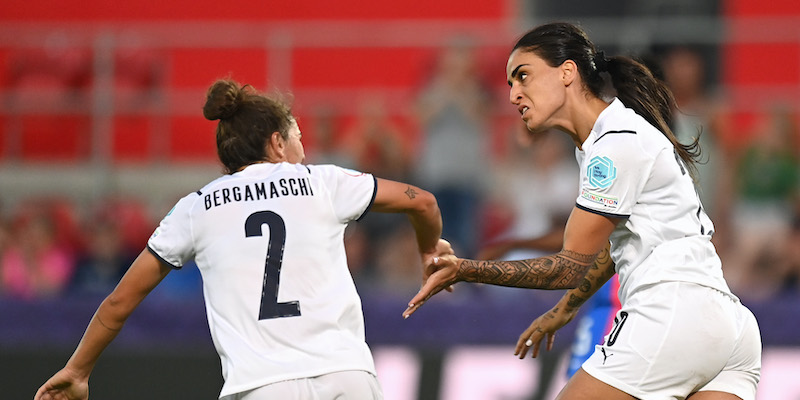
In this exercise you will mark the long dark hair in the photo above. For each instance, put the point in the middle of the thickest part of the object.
(247, 119)
(634, 83)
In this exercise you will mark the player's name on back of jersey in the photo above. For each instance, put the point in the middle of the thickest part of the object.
(259, 191)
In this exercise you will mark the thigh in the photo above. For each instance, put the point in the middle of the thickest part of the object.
(583, 386)
(712, 395)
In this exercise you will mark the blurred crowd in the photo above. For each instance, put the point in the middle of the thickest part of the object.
(492, 180)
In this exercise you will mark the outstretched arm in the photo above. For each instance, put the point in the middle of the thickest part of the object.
(565, 310)
(72, 382)
(586, 234)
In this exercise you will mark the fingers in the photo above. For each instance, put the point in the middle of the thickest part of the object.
(531, 339)
(522, 346)
(41, 394)
(526, 340)
(422, 296)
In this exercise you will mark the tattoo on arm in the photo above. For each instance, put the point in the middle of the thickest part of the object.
(411, 193)
(559, 271)
(601, 271)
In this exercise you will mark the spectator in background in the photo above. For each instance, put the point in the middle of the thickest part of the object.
(537, 164)
(377, 144)
(767, 181)
(453, 111)
(36, 263)
(326, 137)
(792, 251)
(376, 141)
(5, 241)
(105, 257)
(327, 147)
(701, 113)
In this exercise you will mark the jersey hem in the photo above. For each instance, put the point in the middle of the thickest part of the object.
(615, 383)
(372, 200)
(605, 214)
(153, 252)
(300, 375)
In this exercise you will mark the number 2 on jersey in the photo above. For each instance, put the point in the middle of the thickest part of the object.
(253, 226)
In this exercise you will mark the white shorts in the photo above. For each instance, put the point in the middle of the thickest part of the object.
(342, 385)
(672, 339)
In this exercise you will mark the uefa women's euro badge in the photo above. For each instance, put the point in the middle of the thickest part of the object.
(601, 172)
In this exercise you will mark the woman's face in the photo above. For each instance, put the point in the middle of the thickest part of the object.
(294, 147)
(537, 89)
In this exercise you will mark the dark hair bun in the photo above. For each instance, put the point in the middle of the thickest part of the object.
(222, 100)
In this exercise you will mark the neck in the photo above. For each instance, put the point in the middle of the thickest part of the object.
(584, 117)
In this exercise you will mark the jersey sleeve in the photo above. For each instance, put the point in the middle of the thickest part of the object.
(172, 241)
(352, 192)
(612, 177)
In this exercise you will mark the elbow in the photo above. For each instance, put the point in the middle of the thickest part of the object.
(424, 204)
(117, 307)
(428, 204)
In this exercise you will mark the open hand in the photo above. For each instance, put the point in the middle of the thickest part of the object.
(545, 325)
(64, 385)
(441, 274)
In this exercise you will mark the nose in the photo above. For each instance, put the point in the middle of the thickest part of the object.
(514, 94)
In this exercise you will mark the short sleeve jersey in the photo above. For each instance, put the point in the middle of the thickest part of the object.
(630, 170)
(269, 243)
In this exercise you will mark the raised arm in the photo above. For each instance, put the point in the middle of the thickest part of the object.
(72, 382)
(585, 236)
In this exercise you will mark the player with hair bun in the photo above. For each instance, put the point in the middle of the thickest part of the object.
(268, 238)
(680, 331)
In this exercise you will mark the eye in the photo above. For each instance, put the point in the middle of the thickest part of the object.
(522, 76)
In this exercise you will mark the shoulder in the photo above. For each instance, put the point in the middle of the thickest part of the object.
(634, 138)
(331, 171)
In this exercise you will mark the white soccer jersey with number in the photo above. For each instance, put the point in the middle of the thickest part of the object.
(268, 240)
(629, 169)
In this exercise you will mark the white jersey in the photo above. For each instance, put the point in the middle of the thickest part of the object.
(630, 170)
(268, 241)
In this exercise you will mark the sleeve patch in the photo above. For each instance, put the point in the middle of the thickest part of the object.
(601, 172)
(609, 202)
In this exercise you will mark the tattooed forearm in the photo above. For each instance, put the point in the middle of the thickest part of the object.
(601, 271)
(411, 193)
(560, 271)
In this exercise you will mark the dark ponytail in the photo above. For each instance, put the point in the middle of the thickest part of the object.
(635, 85)
(638, 89)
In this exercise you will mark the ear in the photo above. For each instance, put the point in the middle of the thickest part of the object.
(569, 72)
(276, 148)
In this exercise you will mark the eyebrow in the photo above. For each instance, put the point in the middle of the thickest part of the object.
(515, 72)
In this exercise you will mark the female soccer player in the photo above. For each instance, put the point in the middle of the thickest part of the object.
(268, 238)
(680, 331)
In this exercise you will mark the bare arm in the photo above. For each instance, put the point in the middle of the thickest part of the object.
(585, 236)
(145, 273)
(567, 307)
(601, 271)
(420, 206)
